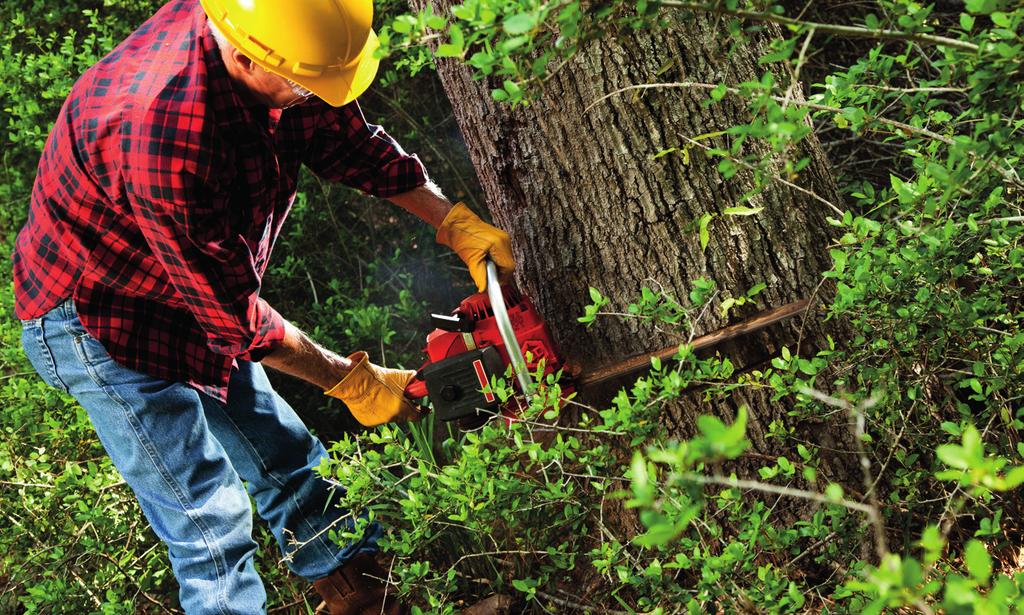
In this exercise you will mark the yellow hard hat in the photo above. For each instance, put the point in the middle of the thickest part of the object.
(326, 46)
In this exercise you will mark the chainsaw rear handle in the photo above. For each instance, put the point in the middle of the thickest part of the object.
(417, 387)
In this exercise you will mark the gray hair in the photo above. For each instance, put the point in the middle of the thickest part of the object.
(222, 41)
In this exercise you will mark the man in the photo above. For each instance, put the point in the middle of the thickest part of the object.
(161, 190)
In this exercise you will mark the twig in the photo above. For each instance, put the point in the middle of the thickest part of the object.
(773, 177)
(809, 550)
(852, 31)
(739, 483)
(134, 582)
(865, 465)
(857, 413)
(795, 81)
(886, 88)
(486, 553)
(287, 608)
(312, 287)
(579, 607)
(17, 484)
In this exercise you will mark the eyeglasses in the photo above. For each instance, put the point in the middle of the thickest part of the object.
(298, 90)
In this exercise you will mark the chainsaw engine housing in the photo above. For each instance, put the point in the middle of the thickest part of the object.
(466, 351)
(456, 384)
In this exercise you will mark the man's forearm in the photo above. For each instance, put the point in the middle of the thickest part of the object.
(300, 356)
(426, 203)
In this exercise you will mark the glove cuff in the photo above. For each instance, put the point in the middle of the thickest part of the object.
(354, 382)
(458, 215)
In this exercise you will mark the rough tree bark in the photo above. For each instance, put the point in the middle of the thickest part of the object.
(587, 204)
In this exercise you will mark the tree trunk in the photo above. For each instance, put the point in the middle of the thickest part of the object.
(587, 204)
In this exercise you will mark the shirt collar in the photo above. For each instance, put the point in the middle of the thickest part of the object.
(229, 107)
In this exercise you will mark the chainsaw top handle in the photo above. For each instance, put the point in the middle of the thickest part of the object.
(508, 334)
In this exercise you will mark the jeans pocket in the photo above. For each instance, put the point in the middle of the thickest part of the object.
(91, 350)
(33, 342)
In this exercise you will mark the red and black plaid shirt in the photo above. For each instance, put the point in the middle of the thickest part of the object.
(160, 193)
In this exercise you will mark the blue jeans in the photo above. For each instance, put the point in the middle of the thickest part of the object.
(185, 455)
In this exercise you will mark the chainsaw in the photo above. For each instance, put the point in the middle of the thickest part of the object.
(493, 330)
(474, 345)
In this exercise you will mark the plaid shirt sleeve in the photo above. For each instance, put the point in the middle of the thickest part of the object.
(346, 149)
(185, 220)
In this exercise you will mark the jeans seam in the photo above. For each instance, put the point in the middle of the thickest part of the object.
(318, 535)
(215, 553)
(51, 364)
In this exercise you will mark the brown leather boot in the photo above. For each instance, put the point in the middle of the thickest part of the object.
(357, 589)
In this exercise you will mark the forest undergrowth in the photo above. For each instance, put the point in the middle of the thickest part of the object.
(590, 508)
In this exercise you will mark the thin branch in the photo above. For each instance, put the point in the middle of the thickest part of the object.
(739, 483)
(803, 103)
(851, 31)
(579, 607)
(17, 484)
(794, 83)
(138, 586)
(886, 88)
(773, 177)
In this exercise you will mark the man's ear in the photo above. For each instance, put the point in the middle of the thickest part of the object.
(242, 61)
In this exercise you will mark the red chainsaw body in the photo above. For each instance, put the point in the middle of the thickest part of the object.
(531, 332)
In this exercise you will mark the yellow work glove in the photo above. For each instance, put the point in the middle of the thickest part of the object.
(473, 239)
(375, 394)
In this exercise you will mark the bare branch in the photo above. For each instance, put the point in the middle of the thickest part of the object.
(851, 31)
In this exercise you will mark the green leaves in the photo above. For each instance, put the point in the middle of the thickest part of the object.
(403, 24)
(970, 454)
(978, 561)
(520, 23)
(598, 301)
(704, 223)
(516, 41)
(974, 468)
(742, 211)
(982, 7)
(456, 45)
(703, 232)
(718, 441)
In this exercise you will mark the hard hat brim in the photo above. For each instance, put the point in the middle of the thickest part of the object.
(341, 88)
(312, 44)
